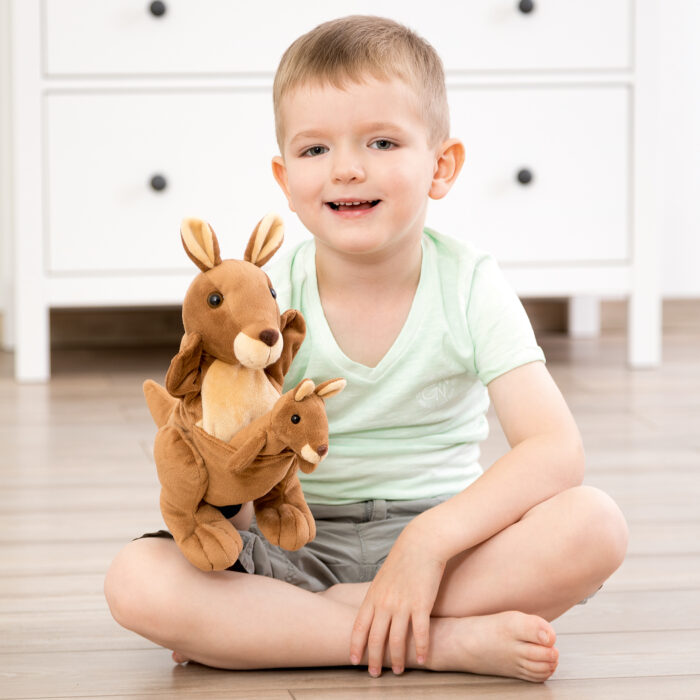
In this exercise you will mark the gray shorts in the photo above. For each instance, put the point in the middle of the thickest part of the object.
(351, 543)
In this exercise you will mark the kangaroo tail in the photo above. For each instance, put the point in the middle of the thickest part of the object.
(159, 401)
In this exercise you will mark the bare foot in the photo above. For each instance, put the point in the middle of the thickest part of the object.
(504, 644)
(178, 658)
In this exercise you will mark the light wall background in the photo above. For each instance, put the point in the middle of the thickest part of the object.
(679, 148)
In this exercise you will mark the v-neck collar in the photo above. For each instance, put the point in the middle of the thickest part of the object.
(316, 318)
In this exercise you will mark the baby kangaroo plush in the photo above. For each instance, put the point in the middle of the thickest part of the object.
(294, 434)
(229, 372)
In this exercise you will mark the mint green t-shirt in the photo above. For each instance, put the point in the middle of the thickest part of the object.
(410, 427)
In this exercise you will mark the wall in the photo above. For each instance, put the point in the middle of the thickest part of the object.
(5, 179)
(679, 148)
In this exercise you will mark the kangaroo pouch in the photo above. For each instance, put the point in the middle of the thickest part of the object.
(228, 483)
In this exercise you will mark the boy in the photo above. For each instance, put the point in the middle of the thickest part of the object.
(420, 559)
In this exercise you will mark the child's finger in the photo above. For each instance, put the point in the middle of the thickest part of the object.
(360, 630)
(420, 622)
(397, 642)
(376, 642)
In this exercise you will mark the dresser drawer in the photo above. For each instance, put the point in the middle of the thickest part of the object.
(123, 37)
(575, 144)
(212, 149)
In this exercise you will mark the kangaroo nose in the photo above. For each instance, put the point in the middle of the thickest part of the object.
(269, 337)
(321, 450)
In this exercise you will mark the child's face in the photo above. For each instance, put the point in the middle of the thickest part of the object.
(364, 144)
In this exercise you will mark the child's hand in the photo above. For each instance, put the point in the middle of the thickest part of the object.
(403, 592)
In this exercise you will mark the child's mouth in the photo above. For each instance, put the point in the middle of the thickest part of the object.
(354, 205)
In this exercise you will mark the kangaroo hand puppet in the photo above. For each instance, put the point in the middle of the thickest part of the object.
(228, 373)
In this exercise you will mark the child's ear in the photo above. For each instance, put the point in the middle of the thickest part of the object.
(279, 170)
(449, 160)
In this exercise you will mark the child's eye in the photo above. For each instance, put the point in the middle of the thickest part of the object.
(315, 151)
(382, 144)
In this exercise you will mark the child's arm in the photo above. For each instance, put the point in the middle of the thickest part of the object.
(546, 457)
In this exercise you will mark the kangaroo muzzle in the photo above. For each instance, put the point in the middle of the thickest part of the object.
(314, 456)
(258, 353)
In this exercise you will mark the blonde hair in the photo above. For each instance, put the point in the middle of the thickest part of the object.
(349, 49)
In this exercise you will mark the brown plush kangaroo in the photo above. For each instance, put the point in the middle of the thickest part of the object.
(260, 463)
(229, 371)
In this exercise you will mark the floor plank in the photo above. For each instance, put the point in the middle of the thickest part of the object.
(666, 572)
(678, 687)
(638, 653)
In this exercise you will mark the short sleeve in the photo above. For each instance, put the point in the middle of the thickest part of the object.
(501, 332)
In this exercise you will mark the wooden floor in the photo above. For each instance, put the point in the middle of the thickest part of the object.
(77, 482)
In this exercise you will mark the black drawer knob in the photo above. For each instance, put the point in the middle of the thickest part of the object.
(158, 183)
(524, 176)
(525, 6)
(157, 8)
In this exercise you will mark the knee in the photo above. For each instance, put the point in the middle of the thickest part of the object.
(601, 530)
(133, 584)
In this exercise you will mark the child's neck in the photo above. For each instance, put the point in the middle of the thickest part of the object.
(366, 300)
(365, 276)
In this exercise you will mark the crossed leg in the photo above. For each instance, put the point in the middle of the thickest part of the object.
(557, 554)
(494, 602)
(502, 591)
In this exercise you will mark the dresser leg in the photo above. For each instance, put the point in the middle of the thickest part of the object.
(644, 324)
(584, 317)
(32, 347)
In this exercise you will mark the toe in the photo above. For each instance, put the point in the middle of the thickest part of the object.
(179, 658)
(534, 629)
(543, 631)
(538, 652)
(537, 671)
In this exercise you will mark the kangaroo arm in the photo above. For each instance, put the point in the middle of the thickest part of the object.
(293, 329)
(248, 443)
(184, 375)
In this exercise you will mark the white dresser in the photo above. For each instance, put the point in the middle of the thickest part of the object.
(129, 115)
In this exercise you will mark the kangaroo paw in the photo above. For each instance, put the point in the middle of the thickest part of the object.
(286, 526)
(213, 546)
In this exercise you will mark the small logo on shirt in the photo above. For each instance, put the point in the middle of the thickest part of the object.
(437, 394)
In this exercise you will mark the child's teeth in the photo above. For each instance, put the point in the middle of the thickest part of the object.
(364, 203)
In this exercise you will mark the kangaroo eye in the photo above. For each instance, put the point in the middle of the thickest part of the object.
(296, 418)
(215, 299)
(273, 292)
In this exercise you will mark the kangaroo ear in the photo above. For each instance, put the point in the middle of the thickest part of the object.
(304, 388)
(330, 388)
(265, 240)
(200, 243)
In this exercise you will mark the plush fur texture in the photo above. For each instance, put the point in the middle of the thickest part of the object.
(221, 439)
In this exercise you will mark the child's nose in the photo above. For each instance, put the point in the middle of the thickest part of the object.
(347, 168)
